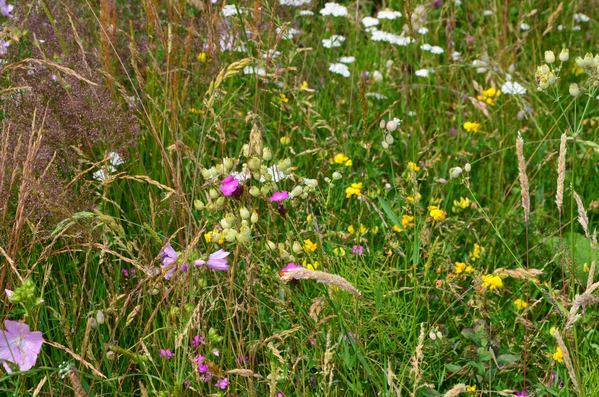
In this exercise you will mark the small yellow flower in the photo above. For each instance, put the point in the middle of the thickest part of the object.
(470, 126)
(407, 221)
(558, 356)
(351, 229)
(436, 213)
(396, 228)
(304, 86)
(491, 281)
(412, 166)
(476, 253)
(339, 251)
(461, 204)
(202, 57)
(415, 198)
(341, 158)
(193, 110)
(285, 140)
(471, 388)
(309, 218)
(363, 229)
(309, 246)
(489, 95)
(310, 266)
(283, 98)
(520, 304)
(354, 190)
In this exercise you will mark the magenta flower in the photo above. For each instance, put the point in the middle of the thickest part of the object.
(229, 185)
(202, 367)
(169, 261)
(166, 353)
(290, 266)
(19, 346)
(222, 383)
(197, 341)
(358, 250)
(216, 261)
(279, 196)
(522, 394)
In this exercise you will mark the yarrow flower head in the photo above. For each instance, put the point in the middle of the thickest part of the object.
(19, 346)
(216, 261)
(339, 68)
(333, 10)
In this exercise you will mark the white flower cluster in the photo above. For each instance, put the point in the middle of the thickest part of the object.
(294, 3)
(114, 160)
(333, 10)
(388, 14)
(333, 41)
(391, 38)
(339, 68)
(433, 49)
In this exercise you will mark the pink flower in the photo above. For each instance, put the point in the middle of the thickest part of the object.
(197, 341)
(166, 353)
(19, 346)
(202, 367)
(222, 383)
(169, 258)
(290, 266)
(358, 250)
(216, 261)
(279, 196)
(229, 185)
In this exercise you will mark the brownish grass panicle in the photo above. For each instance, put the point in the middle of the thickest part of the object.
(561, 173)
(321, 277)
(519, 273)
(417, 359)
(567, 359)
(582, 215)
(525, 192)
(587, 298)
(456, 390)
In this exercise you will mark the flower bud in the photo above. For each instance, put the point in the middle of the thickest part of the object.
(385, 145)
(227, 164)
(271, 245)
(296, 247)
(254, 217)
(389, 139)
(455, 172)
(296, 191)
(311, 182)
(574, 90)
(254, 164)
(245, 235)
(266, 154)
(213, 193)
(393, 124)
(467, 167)
(100, 317)
(337, 175)
(254, 191)
(549, 57)
(383, 124)
(198, 205)
(244, 213)
(230, 235)
(564, 55)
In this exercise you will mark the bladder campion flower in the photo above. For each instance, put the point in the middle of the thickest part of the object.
(309, 246)
(436, 213)
(492, 281)
(354, 190)
(520, 304)
(19, 346)
(470, 126)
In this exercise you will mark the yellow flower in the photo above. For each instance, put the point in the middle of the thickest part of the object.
(489, 95)
(304, 86)
(412, 166)
(309, 218)
(285, 140)
(341, 158)
(558, 355)
(196, 111)
(436, 213)
(414, 198)
(309, 246)
(396, 228)
(407, 221)
(214, 237)
(476, 253)
(491, 281)
(354, 190)
(471, 126)
(283, 98)
(351, 229)
(461, 204)
(461, 267)
(310, 266)
(339, 251)
(471, 388)
(520, 304)
(202, 57)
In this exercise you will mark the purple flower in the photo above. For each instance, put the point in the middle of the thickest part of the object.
(279, 196)
(169, 258)
(522, 394)
(358, 250)
(229, 185)
(222, 383)
(6, 9)
(166, 353)
(125, 272)
(290, 266)
(202, 367)
(197, 341)
(4, 46)
(216, 261)
(19, 346)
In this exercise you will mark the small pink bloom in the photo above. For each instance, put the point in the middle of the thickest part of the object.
(290, 266)
(279, 196)
(222, 383)
(358, 250)
(216, 261)
(166, 353)
(229, 185)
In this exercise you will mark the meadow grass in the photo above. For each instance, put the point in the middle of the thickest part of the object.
(421, 198)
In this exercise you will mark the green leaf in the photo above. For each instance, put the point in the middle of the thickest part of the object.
(579, 247)
(389, 212)
(506, 359)
(453, 367)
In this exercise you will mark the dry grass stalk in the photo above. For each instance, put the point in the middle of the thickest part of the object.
(523, 178)
(561, 173)
(583, 300)
(567, 359)
(392, 380)
(521, 273)
(582, 215)
(456, 390)
(246, 373)
(321, 277)
(327, 364)
(417, 359)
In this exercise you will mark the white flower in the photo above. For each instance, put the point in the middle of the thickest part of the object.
(436, 50)
(581, 18)
(423, 31)
(423, 72)
(271, 54)
(289, 33)
(411, 113)
(294, 3)
(388, 14)
(333, 41)
(513, 88)
(376, 95)
(369, 22)
(426, 47)
(306, 13)
(487, 13)
(481, 66)
(258, 71)
(524, 26)
(229, 10)
(115, 159)
(103, 173)
(576, 28)
(455, 56)
(377, 76)
(391, 38)
(339, 68)
(347, 60)
(455, 172)
(333, 10)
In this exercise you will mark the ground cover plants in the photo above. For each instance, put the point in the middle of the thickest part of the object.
(299, 197)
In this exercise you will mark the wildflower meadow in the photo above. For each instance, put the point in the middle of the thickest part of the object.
(299, 198)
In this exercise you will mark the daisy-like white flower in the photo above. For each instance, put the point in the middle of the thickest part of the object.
(333, 10)
(513, 88)
(370, 22)
(423, 72)
(423, 30)
(216, 261)
(388, 14)
(391, 38)
(19, 346)
(581, 18)
(339, 68)
(333, 41)
(294, 3)
(347, 60)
